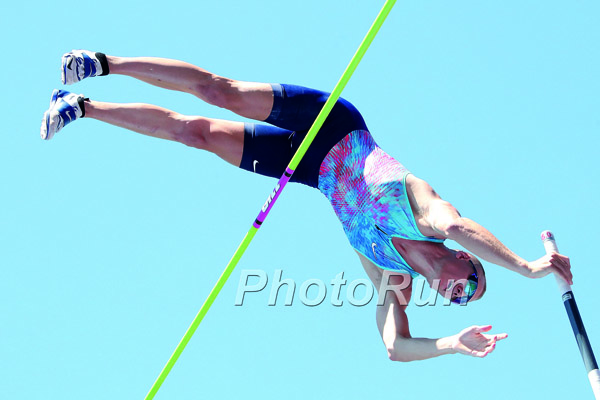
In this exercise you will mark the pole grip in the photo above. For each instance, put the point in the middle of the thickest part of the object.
(551, 247)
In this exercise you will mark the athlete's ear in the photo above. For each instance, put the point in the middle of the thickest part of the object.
(457, 290)
(461, 255)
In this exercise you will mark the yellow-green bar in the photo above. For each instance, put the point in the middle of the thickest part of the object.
(203, 310)
(337, 91)
(387, 7)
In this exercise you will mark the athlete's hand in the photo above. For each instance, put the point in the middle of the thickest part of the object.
(473, 342)
(553, 262)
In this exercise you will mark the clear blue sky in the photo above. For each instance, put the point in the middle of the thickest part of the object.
(111, 240)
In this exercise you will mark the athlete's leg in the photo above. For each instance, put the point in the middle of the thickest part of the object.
(224, 138)
(248, 99)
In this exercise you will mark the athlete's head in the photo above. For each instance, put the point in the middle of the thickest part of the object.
(462, 277)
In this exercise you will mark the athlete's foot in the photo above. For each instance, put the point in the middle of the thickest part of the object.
(65, 107)
(80, 64)
(57, 95)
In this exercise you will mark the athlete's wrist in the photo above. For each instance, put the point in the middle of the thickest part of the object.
(522, 267)
(446, 345)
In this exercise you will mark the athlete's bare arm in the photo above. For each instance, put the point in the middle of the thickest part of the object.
(439, 218)
(394, 328)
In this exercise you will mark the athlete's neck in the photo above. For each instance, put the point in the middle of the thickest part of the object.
(422, 256)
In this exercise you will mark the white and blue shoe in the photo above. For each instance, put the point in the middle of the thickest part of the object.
(57, 95)
(65, 107)
(80, 64)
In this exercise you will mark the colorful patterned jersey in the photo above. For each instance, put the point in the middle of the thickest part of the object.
(367, 189)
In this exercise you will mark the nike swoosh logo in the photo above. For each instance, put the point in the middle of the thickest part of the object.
(254, 165)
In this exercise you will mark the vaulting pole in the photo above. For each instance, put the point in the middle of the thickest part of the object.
(576, 322)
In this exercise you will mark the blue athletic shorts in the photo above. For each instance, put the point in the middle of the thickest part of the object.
(268, 149)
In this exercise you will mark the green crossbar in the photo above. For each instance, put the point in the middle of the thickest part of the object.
(337, 91)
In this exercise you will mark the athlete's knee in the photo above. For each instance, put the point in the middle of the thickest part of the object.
(220, 92)
(193, 132)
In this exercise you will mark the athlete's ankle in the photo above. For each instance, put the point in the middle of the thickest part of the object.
(84, 103)
(103, 63)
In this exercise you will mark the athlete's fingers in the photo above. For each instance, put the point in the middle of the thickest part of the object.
(561, 261)
(558, 268)
(501, 336)
(481, 354)
(476, 353)
(491, 348)
(565, 260)
(562, 258)
(563, 265)
(489, 339)
(483, 328)
(568, 260)
(497, 336)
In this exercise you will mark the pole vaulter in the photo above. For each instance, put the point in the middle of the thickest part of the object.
(394, 220)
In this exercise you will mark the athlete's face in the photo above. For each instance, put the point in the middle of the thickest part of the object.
(460, 271)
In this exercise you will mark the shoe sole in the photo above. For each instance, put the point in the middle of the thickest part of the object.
(67, 59)
(46, 122)
(63, 74)
(44, 131)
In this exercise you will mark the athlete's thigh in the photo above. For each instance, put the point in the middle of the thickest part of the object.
(252, 100)
(296, 108)
(222, 137)
(267, 149)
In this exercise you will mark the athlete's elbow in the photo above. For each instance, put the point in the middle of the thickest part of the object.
(452, 228)
(392, 355)
(399, 349)
(399, 357)
(395, 355)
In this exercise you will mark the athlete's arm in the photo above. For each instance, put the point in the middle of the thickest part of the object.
(446, 221)
(394, 328)
(439, 218)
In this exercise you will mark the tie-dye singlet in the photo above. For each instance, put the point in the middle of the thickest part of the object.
(367, 190)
